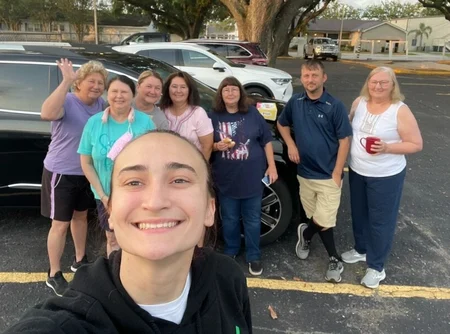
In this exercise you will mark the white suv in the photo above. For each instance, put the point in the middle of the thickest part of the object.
(210, 68)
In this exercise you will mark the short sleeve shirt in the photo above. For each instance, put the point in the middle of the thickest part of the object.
(98, 138)
(318, 126)
(192, 124)
(158, 117)
(237, 173)
(62, 156)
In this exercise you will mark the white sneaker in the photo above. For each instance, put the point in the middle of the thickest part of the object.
(373, 278)
(352, 256)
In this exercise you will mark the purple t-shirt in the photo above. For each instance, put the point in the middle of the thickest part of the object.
(62, 156)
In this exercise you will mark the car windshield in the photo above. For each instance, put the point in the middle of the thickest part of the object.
(139, 64)
(324, 41)
(225, 60)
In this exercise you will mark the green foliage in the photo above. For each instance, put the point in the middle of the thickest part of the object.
(392, 9)
(442, 6)
(423, 30)
(337, 10)
(12, 13)
(185, 18)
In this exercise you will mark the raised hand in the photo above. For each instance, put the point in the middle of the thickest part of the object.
(67, 71)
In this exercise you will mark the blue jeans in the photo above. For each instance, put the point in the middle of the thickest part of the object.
(231, 210)
(375, 202)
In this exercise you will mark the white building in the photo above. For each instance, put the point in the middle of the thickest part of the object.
(439, 36)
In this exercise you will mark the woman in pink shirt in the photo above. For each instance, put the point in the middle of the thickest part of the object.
(179, 102)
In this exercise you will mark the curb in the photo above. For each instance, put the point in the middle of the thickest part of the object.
(397, 70)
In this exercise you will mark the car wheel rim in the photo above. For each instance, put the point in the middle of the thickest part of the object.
(270, 211)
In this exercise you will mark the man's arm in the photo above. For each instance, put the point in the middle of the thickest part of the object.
(293, 153)
(344, 148)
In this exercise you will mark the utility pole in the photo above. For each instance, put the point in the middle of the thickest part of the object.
(340, 31)
(95, 21)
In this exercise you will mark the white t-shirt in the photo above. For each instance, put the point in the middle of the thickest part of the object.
(172, 311)
(383, 126)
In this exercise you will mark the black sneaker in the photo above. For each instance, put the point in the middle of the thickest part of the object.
(255, 268)
(57, 283)
(75, 265)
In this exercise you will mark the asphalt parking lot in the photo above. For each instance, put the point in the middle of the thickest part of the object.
(414, 298)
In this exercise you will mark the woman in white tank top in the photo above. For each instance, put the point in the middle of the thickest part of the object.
(384, 131)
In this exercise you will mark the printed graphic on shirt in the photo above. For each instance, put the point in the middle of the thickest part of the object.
(369, 123)
(234, 131)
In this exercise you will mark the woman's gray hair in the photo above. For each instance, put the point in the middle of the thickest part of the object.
(396, 95)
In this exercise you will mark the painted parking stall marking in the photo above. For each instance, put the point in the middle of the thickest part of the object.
(386, 291)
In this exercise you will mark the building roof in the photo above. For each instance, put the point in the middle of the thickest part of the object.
(335, 25)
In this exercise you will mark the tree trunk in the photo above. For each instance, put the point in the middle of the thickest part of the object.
(284, 48)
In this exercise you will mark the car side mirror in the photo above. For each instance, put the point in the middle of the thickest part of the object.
(218, 67)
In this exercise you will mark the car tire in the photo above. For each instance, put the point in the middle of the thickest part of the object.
(335, 58)
(305, 55)
(257, 91)
(276, 211)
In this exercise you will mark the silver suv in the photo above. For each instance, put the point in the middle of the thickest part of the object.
(321, 47)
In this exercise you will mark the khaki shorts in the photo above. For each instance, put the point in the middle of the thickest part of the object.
(320, 199)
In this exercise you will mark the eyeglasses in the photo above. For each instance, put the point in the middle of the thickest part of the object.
(383, 83)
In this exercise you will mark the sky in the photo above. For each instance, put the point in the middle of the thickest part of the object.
(365, 3)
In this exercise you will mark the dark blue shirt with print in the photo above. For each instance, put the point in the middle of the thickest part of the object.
(318, 125)
(237, 173)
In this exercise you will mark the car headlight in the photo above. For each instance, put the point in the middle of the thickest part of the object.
(318, 48)
(280, 81)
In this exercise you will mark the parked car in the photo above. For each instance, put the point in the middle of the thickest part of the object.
(237, 51)
(146, 37)
(211, 68)
(28, 74)
(321, 47)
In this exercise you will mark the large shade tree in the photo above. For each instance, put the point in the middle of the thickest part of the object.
(442, 5)
(185, 18)
(269, 22)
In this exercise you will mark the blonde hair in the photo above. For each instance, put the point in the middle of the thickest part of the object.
(396, 95)
(147, 74)
(88, 68)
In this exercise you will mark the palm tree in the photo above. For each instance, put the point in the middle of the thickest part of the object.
(423, 30)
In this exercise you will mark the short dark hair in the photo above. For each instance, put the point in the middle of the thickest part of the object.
(219, 104)
(193, 97)
(313, 64)
(126, 80)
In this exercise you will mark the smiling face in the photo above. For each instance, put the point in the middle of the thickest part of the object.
(149, 90)
(380, 86)
(178, 91)
(92, 87)
(120, 96)
(160, 202)
(231, 96)
(313, 79)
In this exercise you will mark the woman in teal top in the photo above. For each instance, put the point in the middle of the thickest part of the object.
(103, 136)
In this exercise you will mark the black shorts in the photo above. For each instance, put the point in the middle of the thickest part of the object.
(61, 195)
(102, 216)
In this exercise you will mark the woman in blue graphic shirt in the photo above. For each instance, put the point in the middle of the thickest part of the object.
(242, 156)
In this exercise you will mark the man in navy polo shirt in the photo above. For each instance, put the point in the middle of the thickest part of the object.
(322, 139)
